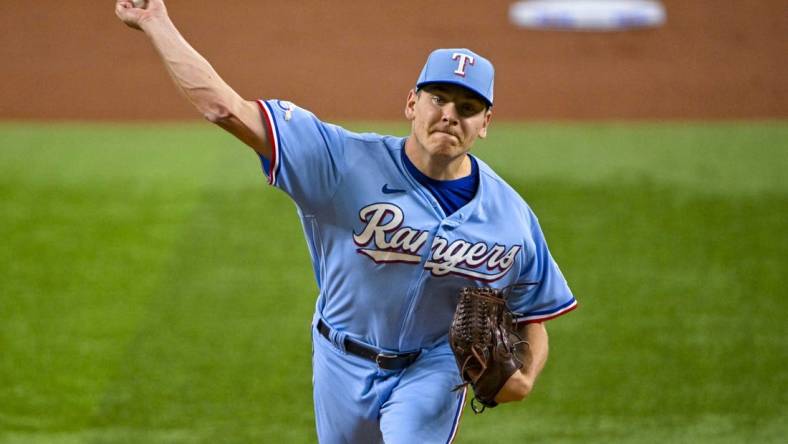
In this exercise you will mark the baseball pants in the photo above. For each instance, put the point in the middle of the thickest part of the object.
(358, 402)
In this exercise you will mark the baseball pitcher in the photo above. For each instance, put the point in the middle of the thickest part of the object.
(433, 273)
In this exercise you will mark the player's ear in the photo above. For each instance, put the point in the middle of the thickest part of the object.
(486, 124)
(410, 105)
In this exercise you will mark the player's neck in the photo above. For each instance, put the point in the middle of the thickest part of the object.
(437, 167)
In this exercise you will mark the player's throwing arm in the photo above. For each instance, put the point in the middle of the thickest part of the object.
(195, 77)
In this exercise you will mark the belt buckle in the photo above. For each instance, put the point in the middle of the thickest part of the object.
(379, 359)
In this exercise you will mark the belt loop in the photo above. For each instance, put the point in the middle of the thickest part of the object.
(338, 339)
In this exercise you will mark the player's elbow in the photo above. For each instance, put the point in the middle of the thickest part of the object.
(216, 113)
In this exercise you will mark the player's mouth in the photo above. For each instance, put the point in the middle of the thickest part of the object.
(447, 133)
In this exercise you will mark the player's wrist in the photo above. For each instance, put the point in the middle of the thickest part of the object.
(153, 24)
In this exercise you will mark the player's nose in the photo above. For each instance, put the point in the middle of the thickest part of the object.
(450, 114)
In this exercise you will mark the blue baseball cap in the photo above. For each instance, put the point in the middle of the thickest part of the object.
(461, 67)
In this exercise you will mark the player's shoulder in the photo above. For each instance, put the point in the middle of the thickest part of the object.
(299, 116)
(497, 184)
(370, 142)
(372, 138)
(501, 194)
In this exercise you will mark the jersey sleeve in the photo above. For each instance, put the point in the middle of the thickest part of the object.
(543, 292)
(307, 158)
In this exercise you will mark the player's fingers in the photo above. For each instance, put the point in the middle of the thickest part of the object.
(127, 14)
(154, 5)
(136, 4)
(120, 9)
(123, 5)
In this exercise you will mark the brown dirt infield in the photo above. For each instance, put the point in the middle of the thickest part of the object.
(714, 59)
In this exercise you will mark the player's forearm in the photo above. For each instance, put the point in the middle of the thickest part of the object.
(192, 73)
(534, 357)
(535, 353)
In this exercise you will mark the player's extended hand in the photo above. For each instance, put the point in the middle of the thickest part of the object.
(135, 17)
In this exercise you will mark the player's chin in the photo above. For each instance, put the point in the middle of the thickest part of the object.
(445, 149)
(448, 154)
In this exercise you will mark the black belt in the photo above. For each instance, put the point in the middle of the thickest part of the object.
(386, 361)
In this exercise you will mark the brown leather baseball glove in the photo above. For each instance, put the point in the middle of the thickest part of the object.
(483, 338)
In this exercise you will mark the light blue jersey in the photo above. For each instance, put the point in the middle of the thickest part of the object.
(389, 263)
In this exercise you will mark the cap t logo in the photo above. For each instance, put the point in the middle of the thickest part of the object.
(464, 59)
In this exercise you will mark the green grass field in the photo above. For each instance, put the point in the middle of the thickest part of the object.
(153, 288)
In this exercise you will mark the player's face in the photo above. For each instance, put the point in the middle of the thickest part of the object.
(447, 119)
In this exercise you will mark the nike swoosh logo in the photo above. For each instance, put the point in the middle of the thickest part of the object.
(387, 190)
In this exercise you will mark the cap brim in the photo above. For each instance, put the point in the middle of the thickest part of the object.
(454, 82)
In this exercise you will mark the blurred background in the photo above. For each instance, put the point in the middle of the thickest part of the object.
(357, 60)
(153, 290)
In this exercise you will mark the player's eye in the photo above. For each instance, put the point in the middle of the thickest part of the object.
(438, 100)
(468, 109)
